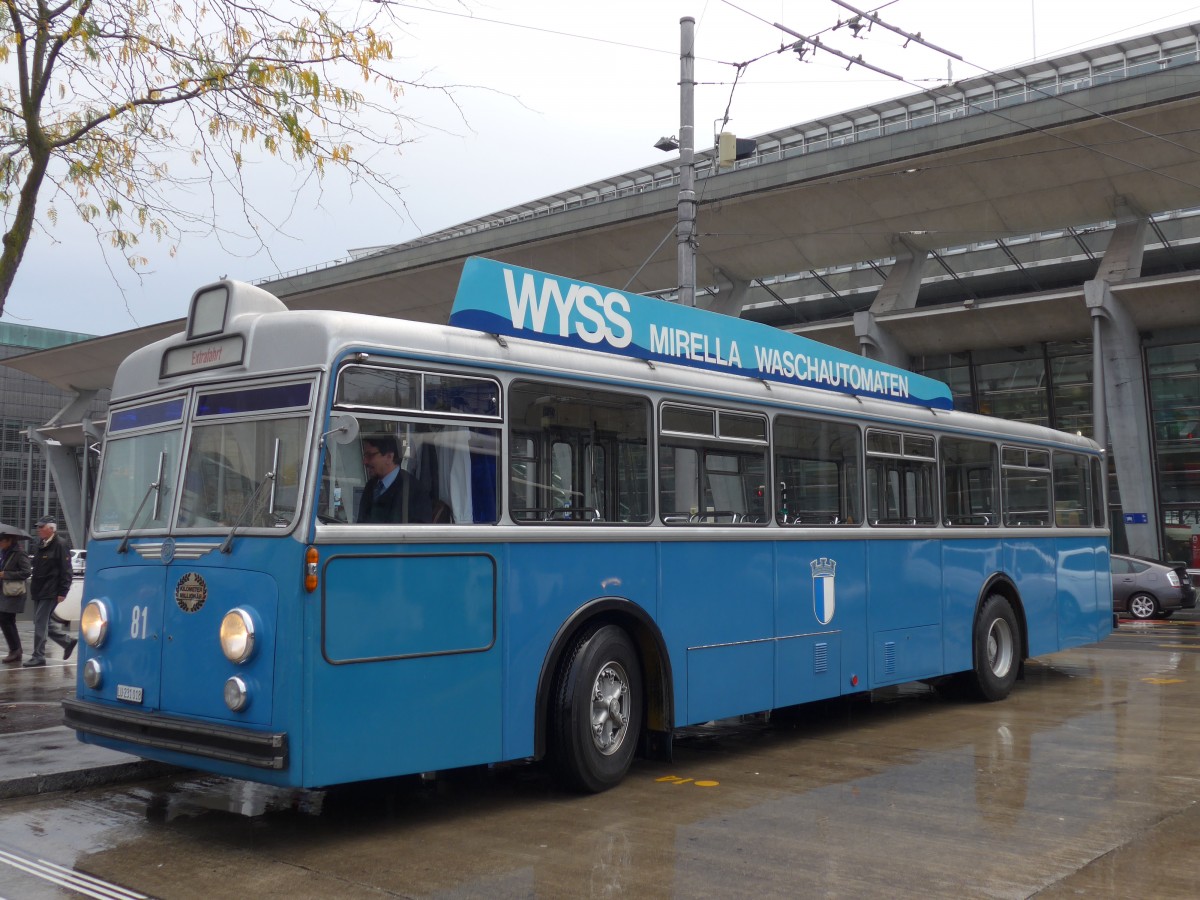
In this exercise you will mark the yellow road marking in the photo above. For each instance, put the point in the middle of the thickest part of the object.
(676, 779)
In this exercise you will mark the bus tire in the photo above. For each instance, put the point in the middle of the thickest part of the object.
(597, 710)
(997, 648)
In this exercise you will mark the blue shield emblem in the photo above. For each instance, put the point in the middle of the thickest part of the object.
(824, 596)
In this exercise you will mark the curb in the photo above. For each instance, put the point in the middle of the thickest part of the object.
(84, 778)
(48, 760)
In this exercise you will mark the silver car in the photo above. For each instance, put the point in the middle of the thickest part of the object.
(1146, 589)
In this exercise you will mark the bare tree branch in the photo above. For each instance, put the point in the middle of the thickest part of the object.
(108, 102)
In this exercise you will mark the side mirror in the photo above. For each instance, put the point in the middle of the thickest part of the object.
(344, 430)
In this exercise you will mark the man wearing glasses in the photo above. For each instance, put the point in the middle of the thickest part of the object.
(391, 494)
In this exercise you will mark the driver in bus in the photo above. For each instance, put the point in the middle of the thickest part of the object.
(391, 493)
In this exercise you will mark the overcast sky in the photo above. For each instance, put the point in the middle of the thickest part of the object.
(567, 93)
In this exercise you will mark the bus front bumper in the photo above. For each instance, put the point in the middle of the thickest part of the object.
(261, 749)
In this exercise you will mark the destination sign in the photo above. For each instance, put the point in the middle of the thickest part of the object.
(504, 299)
(224, 351)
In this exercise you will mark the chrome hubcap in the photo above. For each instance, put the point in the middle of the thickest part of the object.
(1000, 648)
(610, 708)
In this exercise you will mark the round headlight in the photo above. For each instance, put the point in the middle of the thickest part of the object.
(235, 693)
(93, 623)
(92, 673)
(237, 635)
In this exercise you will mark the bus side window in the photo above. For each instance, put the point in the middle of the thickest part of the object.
(450, 470)
(577, 455)
(712, 466)
(1072, 490)
(1025, 482)
(969, 477)
(447, 436)
(901, 483)
(818, 476)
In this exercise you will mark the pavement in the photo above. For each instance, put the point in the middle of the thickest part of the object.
(38, 754)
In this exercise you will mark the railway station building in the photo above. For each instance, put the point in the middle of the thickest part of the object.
(1031, 237)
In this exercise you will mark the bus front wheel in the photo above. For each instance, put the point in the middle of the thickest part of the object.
(997, 648)
(597, 711)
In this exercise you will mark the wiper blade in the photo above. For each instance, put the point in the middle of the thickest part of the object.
(153, 489)
(227, 546)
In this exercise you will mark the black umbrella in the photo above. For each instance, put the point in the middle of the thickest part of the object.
(12, 531)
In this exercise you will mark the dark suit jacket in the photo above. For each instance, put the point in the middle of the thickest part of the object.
(390, 505)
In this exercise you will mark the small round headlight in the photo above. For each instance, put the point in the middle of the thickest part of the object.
(236, 696)
(237, 635)
(93, 623)
(92, 673)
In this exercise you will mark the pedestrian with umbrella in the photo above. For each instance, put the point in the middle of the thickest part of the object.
(14, 583)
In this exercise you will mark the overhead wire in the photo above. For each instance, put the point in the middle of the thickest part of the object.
(872, 17)
(937, 92)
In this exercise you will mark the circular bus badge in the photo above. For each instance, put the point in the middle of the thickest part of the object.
(191, 592)
(168, 550)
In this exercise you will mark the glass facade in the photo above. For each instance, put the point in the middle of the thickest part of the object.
(1012, 385)
(1047, 384)
(25, 493)
(1174, 376)
(1051, 384)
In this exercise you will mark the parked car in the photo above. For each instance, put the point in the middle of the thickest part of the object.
(78, 562)
(1146, 589)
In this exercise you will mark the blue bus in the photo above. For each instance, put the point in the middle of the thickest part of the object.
(330, 547)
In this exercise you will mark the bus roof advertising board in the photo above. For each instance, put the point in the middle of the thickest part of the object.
(504, 299)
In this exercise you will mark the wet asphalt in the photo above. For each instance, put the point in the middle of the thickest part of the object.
(1082, 783)
(38, 754)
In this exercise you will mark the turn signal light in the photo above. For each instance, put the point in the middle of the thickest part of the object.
(311, 557)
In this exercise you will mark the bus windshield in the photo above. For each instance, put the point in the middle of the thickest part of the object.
(131, 465)
(241, 460)
(141, 459)
(227, 467)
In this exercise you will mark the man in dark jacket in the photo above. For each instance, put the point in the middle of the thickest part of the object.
(391, 493)
(49, 585)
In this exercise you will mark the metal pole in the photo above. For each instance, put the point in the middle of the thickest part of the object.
(46, 486)
(687, 173)
(1099, 397)
(84, 487)
(28, 484)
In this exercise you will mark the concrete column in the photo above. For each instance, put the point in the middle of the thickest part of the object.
(1128, 415)
(875, 343)
(63, 463)
(898, 291)
(1123, 257)
(730, 303)
(900, 288)
(1121, 409)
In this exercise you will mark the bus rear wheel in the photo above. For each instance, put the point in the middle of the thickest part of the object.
(597, 710)
(997, 650)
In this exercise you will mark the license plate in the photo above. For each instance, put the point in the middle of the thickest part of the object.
(130, 694)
